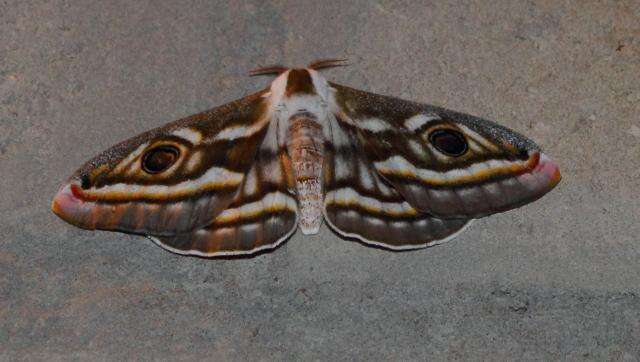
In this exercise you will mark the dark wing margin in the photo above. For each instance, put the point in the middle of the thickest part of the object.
(263, 213)
(359, 204)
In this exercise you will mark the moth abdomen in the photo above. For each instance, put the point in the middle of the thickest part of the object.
(305, 147)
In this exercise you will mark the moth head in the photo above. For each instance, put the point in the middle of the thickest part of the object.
(158, 183)
(470, 167)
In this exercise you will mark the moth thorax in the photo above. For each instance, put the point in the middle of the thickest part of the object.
(305, 146)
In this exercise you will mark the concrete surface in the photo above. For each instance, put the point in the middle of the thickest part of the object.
(558, 278)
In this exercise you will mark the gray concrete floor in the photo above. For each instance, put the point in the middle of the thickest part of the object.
(557, 278)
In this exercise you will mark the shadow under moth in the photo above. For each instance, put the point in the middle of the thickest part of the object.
(240, 178)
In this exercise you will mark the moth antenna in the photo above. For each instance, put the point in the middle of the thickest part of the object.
(272, 70)
(328, 63)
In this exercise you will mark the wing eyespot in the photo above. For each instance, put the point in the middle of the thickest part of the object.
(159, 159)
(449, 142)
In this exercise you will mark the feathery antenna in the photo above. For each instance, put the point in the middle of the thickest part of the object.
(316, 65)
(328, 63)
(272, 70)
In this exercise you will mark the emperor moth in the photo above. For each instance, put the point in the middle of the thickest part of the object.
(239, 178)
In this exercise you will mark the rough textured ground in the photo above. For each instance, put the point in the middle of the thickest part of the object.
(558, 278)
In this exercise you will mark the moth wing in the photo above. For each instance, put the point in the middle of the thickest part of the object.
(208, 156)
(496, 170)
(359, 203)
(262, 215)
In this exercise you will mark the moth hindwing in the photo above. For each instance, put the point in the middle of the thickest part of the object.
(240, 178)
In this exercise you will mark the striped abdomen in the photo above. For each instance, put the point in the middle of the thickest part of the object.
(305, 146)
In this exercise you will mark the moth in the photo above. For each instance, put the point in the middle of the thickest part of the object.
(240, 178)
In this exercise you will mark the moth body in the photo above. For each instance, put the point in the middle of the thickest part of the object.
(300, 98)
(305, 147)
(240, 178)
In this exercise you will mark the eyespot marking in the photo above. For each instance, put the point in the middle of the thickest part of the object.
(450, 142)
(159, 159)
